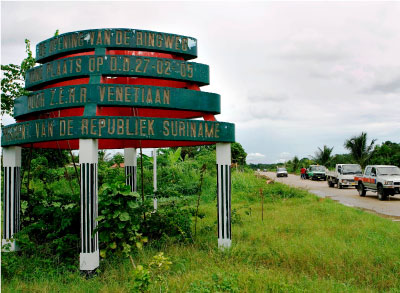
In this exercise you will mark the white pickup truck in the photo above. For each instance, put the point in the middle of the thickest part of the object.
(382, 179)
(343, 175)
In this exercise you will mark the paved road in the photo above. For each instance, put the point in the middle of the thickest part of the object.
(347, 196)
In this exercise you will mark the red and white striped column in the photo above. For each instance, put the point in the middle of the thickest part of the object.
(89, 257)
(130, 161)
(224, 194)
(11, 196)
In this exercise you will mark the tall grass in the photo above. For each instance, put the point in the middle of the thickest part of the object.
(305, 243)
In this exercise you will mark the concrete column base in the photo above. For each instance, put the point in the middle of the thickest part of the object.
(89, 261)
(10, 244)
(224, 243)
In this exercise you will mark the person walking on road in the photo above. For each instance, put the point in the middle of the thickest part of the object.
(303, 173)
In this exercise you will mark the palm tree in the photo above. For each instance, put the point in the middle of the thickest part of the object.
(323, 156)
(359, 148)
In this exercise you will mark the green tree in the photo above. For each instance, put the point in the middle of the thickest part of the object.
(386, 154)
(295, 163)
(13, 81)
(238, 153)
(341, 159)
(323, 156)
(118, 158)
(359, 148)
(305, 162)
(189, 152)
(55, 158)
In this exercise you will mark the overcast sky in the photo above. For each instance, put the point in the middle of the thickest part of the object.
(292, 76)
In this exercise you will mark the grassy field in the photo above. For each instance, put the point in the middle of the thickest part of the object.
(304, 244)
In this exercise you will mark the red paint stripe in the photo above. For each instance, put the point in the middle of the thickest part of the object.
(91, 52)
(116, 144)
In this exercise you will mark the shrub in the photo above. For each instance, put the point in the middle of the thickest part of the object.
(170, 221)
(120, 217)
(50, 219)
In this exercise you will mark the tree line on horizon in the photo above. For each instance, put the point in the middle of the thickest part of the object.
(360, 152)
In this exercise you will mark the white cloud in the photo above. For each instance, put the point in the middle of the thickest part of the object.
(255, 158)
(7, 119)
(284, 157)
(255, 155)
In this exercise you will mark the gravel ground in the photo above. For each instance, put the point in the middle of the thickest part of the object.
(348, 196)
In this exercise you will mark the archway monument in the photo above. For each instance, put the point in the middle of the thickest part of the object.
(114, 89)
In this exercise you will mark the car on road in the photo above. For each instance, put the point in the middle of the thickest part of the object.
(382, 179)
(281, 172)
(343, 175)
(316, 172)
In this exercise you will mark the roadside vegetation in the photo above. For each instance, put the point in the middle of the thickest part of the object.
(360, 152)
(304, 243)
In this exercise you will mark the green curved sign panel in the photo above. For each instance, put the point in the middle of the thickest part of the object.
(117, 127)
(117, 65)
(94, 56)
(116, 39)
(117, 95)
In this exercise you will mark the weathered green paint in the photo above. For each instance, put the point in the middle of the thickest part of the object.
(117, 65)
(117, 95)
(117, 39)
(90, 109)
(120, 127)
